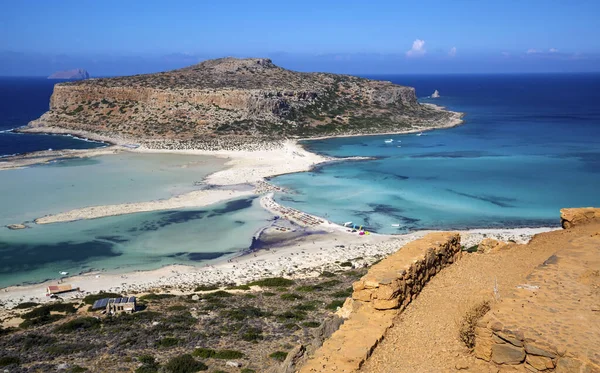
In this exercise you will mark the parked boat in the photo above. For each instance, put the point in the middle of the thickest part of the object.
(389, 141)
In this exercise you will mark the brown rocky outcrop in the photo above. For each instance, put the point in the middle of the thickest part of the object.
(379, 297)
(395, 281)
(235, 97)
(576, 216)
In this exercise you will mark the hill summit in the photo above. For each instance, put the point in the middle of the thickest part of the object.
(236, 97)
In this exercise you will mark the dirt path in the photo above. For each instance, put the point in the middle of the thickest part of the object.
(425, 337)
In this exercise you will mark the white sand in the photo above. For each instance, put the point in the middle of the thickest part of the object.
(243, 167)
(304, 257)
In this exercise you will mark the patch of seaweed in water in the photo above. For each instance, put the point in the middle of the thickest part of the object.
(198, 257)
(27, 256)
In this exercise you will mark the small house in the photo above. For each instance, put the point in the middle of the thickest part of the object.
(115, 305)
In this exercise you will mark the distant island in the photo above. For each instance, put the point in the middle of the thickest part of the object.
(229, 98)
(78, 74)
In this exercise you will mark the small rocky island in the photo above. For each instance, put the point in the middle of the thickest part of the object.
(75, 74)
(231, 98)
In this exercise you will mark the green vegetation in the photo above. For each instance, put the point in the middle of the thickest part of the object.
(278, 355)
(217, 294)
(472, 249)
(346, 264)
(9, 360)
(252, 334)
(311, 324)
(184, 364)
(167, 342)
(81, 323)
(206, 287)
(90, 299)
(247, 370)
(46, 309)
(178, 307)
(291, 296)
(206, 353)
(268, 294)
(242, 313)
(335, 304)
(342, 293)
(25, 305)
(77, 369)
(149, 364)
(153, 297)
(273, 282)
(238, 287)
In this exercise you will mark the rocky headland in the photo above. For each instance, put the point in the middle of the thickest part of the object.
(233, 100)
(70, 74)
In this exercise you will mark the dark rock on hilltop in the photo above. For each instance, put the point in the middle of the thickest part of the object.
(70, 74)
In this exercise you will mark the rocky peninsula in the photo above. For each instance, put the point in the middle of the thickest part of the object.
(234, 101)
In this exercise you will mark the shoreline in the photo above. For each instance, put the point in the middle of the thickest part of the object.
(242, 168)
(305, 256)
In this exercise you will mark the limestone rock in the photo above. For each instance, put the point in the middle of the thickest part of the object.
(540, 362)
(507, 354)
(577, 216)
(489, 244)
(195, 297)
(568, 365)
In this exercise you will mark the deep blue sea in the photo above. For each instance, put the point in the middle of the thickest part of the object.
(529, 146)
(25, 99)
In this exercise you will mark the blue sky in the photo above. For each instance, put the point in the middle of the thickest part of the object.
(126, 37)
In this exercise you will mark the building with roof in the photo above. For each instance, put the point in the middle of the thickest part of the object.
(115, 305)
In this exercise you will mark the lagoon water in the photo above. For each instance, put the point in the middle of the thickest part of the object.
(530, 145)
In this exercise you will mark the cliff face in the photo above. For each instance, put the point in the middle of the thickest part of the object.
(247, 97)
(70, 74)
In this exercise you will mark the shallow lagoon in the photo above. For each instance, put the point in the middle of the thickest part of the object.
(32, 192)
(130, 242)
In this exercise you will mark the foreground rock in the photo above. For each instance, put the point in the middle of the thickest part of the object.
(70, 74)
(236, 98)
(391, 284)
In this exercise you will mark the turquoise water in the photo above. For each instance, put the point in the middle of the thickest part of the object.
(120, 243)
(29, 193)
(129, 242)
(530, 145)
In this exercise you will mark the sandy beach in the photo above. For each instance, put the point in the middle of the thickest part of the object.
(321, 245)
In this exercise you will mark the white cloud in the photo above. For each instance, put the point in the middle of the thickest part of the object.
(418, 48)
(533, 51)
(553, 50)
(452, 52)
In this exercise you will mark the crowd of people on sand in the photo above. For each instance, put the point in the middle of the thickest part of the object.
(262, 187)
(291, 214)
(238, 143)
